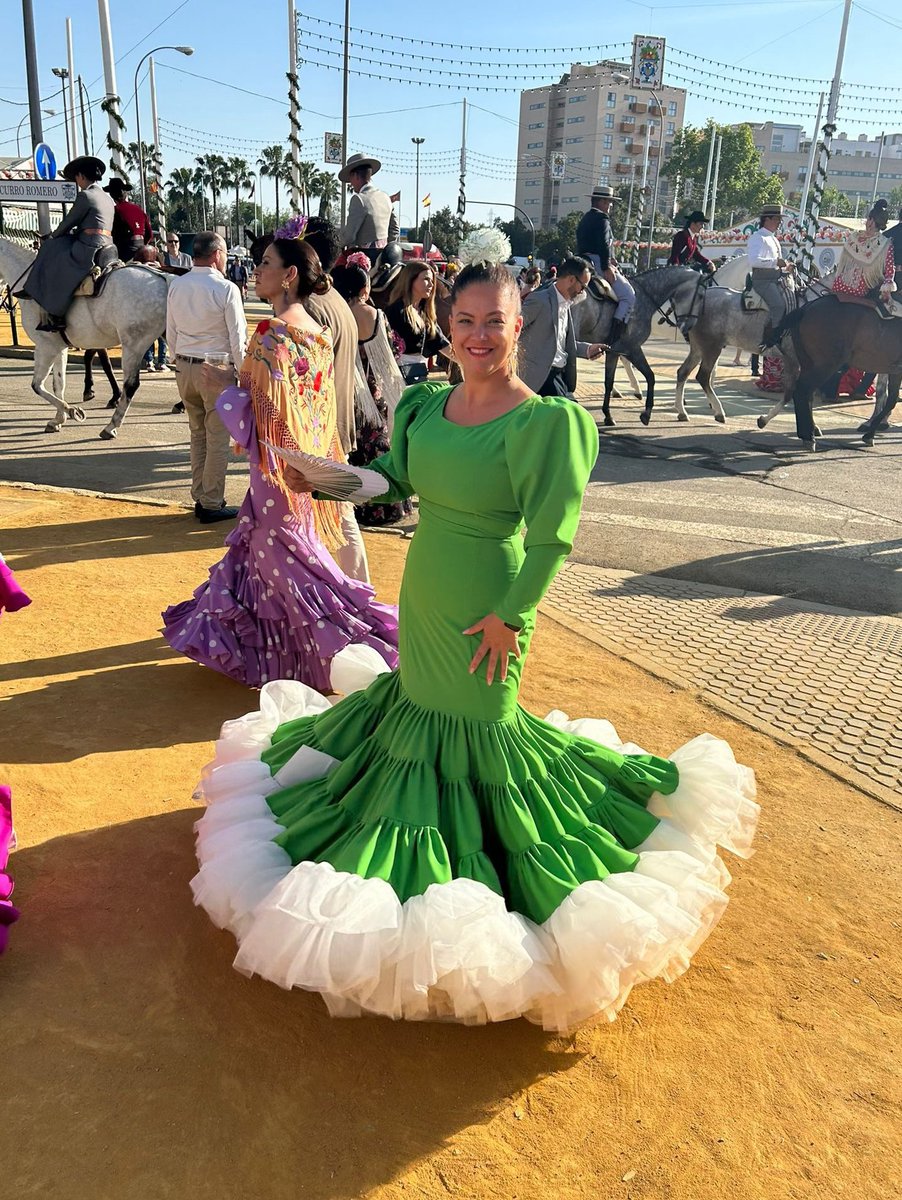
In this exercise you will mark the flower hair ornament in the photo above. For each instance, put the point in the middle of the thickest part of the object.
(485, 245)
(293, 230)
(359, 259)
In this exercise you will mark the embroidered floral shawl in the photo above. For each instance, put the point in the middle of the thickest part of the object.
(289, 376)
(864, 257)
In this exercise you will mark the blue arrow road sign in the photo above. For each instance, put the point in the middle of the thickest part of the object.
(44, 161)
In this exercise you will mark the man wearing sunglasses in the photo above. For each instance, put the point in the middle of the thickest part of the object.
(172, 256)
(548, 347)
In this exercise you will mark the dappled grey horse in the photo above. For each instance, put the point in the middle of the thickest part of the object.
(681, 287)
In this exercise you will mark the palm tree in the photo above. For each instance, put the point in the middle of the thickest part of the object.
(307, 176)
(214, 169)
(181, 194)
(328, 190)
(153, 166)
(272, 165)
(237, 177)
(199, 181)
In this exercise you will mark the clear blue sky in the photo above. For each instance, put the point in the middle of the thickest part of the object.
(777, 51)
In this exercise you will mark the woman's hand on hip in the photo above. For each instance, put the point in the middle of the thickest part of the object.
(499, 641)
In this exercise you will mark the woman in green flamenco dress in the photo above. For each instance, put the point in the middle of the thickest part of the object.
(424, 848)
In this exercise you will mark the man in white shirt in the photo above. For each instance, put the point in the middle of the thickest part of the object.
(371, 222)
(548, 349)
(768, 264)
(204, 315)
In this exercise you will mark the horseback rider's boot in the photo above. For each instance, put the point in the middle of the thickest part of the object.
(52, 324)
(616, 331)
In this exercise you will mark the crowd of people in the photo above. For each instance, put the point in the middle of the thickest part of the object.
(423, 847)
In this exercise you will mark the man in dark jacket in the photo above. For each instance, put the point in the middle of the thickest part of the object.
(595, 242)
(68, 255)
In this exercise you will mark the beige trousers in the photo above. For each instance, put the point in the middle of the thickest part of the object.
(209, 437)
(352, 556)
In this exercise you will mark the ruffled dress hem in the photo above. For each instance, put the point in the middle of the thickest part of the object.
(456, 949)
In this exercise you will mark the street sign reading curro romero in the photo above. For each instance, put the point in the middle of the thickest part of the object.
(33, 191)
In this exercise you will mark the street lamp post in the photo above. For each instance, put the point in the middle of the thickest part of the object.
(62, 75)
(48, 112)
(182, 50)
(416, 200)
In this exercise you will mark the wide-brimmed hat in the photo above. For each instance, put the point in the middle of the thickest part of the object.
(604, 192)
(355, 162)
(85, 164)
(771, 210)
(118, 185)
(697, 216)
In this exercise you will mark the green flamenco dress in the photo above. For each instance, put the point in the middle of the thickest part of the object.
(426, 849)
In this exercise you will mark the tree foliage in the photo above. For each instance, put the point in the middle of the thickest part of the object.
(446, 230)
(742, 185)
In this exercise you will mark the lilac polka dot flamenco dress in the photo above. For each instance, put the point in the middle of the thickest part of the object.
(276, 606)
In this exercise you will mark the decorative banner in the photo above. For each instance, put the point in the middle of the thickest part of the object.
(333, 150)
(427, 200)
(396, 198)
(648, 61)
(558, 165)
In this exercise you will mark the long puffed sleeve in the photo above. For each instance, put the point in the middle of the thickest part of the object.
(550, 455)
(394, 464)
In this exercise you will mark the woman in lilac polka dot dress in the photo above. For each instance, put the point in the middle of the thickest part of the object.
(277, 606)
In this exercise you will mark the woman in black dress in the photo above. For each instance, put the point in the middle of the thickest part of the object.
(411, 315)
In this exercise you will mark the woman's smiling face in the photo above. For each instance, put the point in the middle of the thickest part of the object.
(485, 326)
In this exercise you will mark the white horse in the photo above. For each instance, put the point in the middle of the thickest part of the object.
(130, 312)
(724, 321)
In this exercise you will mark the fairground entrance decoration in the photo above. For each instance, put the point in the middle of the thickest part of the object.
(648, 61)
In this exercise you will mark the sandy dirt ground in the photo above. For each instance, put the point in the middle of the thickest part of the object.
(137, 1065)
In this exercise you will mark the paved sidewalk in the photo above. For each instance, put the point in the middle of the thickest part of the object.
(826, 680)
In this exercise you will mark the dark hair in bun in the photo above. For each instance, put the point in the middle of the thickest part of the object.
(879, 214)
(312, 280)
(349, 281)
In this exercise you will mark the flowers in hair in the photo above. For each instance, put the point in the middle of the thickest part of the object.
(293, 229)
(358, 259)
(485, 245)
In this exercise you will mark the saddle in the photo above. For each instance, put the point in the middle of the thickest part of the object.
(601, 289)
(750, 300)
(96, 280)
(886, 312)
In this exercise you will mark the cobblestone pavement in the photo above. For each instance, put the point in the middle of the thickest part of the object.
(827, 679)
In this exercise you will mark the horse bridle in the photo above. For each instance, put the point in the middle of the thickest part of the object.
(678, 319)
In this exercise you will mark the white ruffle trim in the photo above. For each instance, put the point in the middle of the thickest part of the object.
(455, 952)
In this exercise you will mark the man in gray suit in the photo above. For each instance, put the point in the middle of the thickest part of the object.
(74, 246)
(548, 348)
(371, 222)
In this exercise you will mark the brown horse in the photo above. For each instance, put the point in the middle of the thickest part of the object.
(829, 335)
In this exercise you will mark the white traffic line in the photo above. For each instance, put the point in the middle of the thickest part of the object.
(744, 535)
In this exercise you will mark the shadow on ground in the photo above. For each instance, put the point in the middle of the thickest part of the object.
(177, 1077)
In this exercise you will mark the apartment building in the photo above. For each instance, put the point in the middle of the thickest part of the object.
(600, 125)
(784, 151)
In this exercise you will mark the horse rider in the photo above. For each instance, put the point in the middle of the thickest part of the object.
(894, 235)
(595, 242)
(371, 222)
(75, 245)
(769, 267)
(684, 251)
(131, 224)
